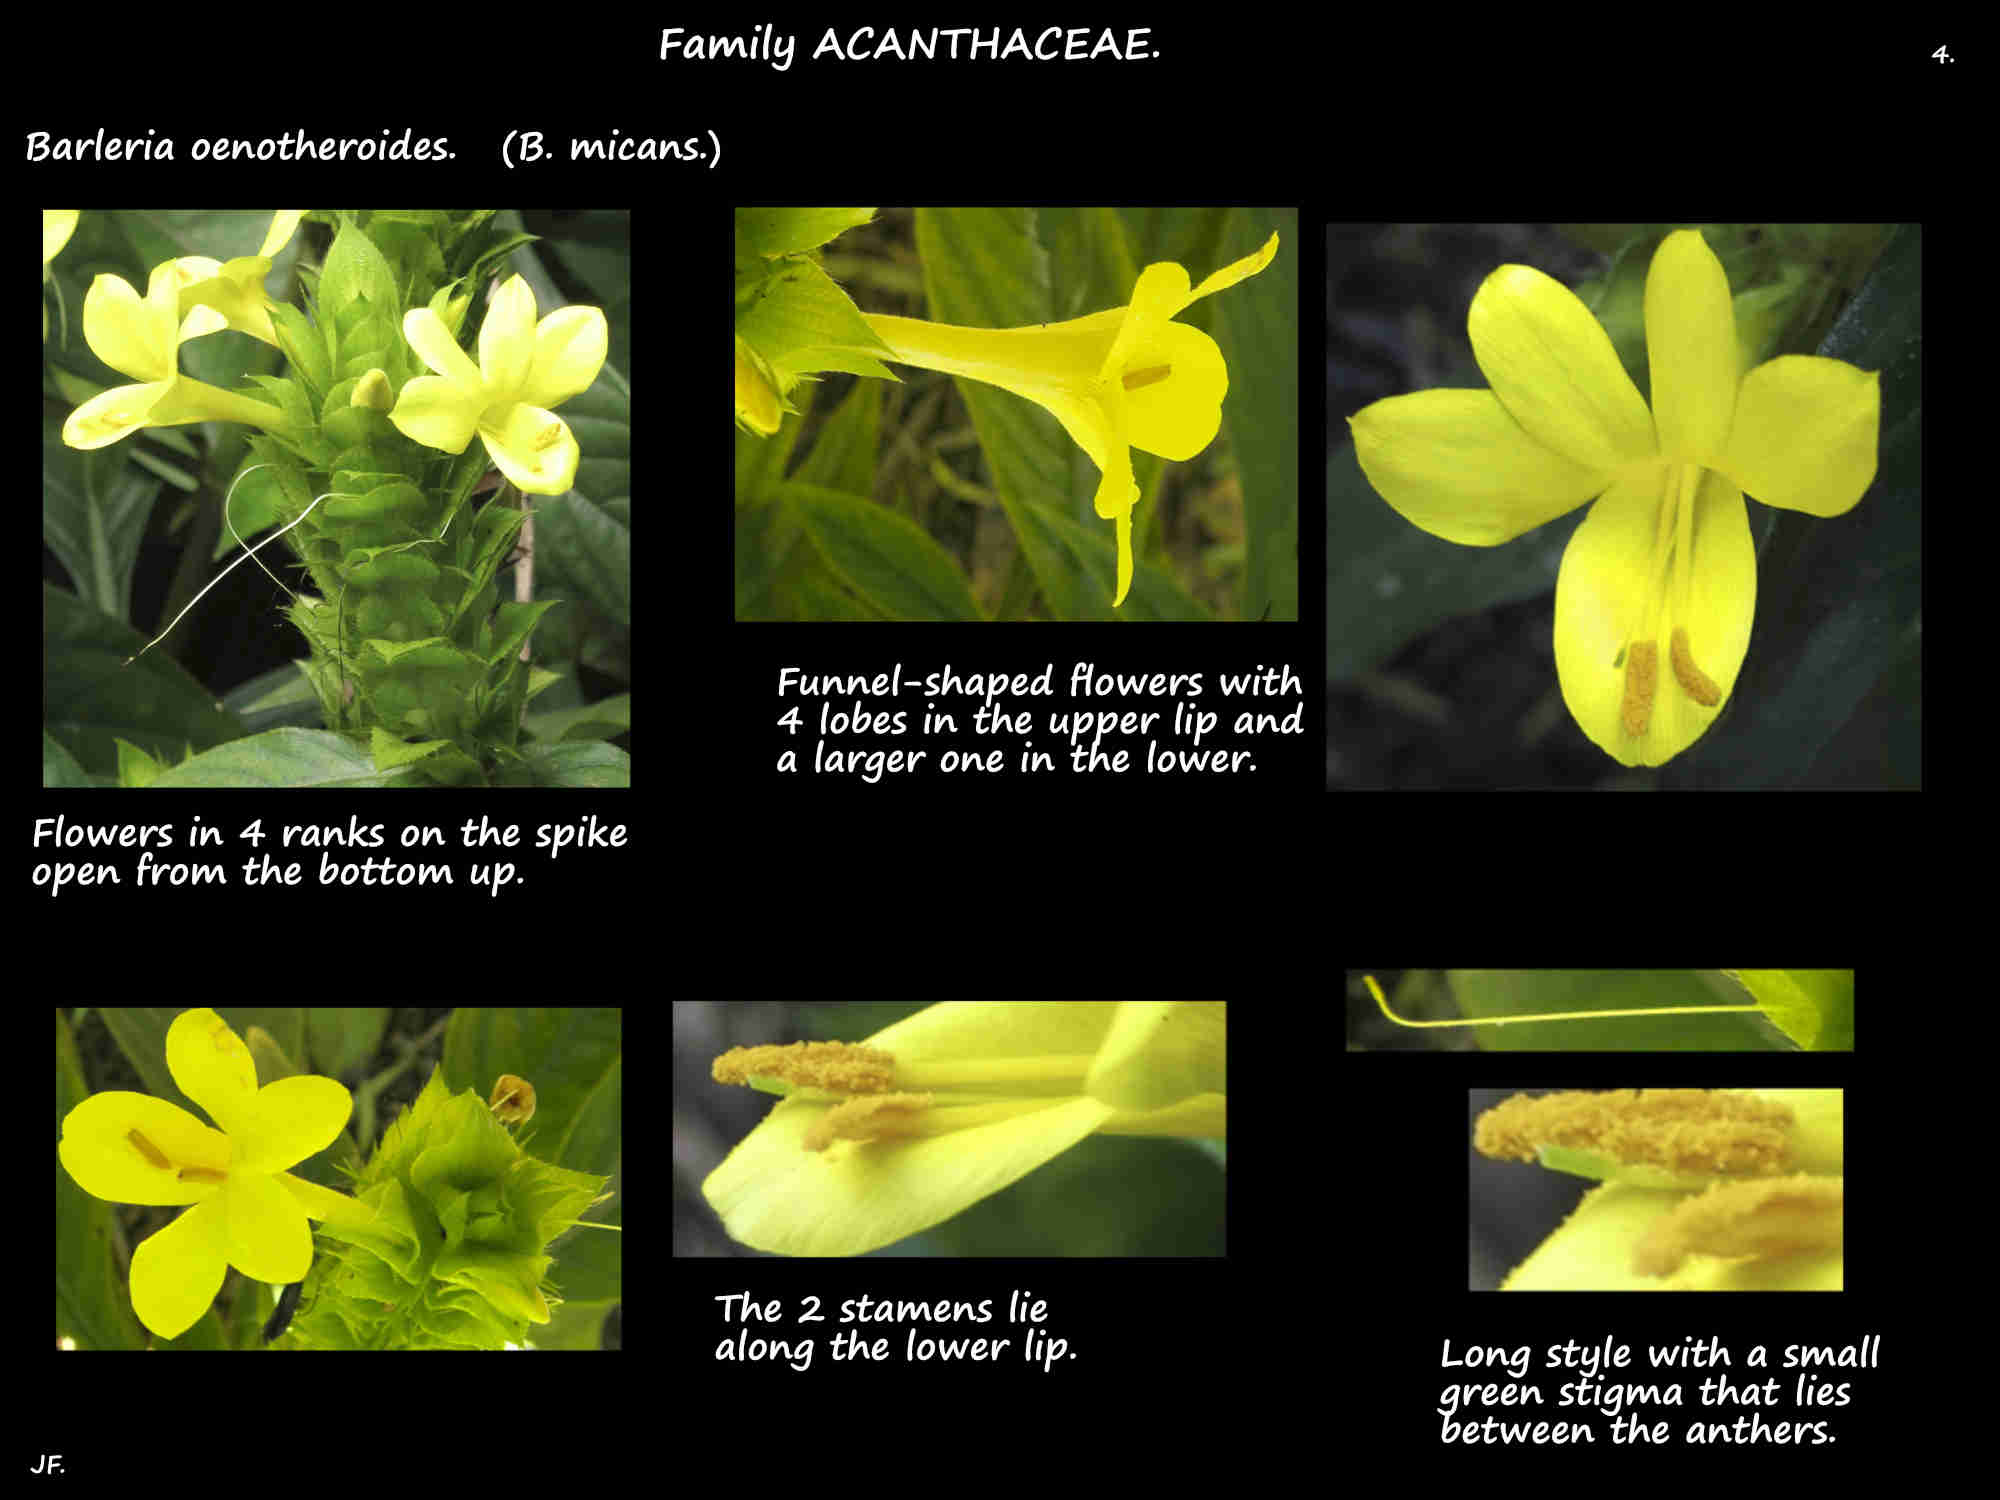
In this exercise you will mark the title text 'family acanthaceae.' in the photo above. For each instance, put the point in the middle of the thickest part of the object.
(524, 368)
(1128, 377)
(1658, 586)
(247, 1211)
(878, 1141)
(141, 337)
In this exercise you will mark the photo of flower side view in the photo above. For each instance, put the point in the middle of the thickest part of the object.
(437, 1203)
(1625, 505)
(1697, 1190)
(1601, 1010)
(336, 498)
(1048, 413)
(1050, 1128)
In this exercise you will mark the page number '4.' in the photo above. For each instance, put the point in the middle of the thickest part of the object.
(1942, 55)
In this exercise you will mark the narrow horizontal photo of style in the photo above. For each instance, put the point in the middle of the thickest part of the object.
(985, 414)
(1695, 1190)
(1602, 1010)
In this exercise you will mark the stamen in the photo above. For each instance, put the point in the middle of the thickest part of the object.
(147, 1149)
(1151, 375)
(1694, 682)
(201, 1174)
(870, 1119)
(1682, 1130)
(1782, 1217)
(827, 1065)
(1642, 671)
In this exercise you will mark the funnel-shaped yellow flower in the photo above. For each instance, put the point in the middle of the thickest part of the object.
(235, 288)
(1659, 585)
(141, 337)
(524, 368)
(1126, 378)
(879, 1141)
(247, 1211)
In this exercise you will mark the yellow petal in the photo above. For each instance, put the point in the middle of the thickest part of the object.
(324, 1203)
(507, 339)
(268, 1238)
(1159, 1053)
(1554, 369)
(1606, 572)
(857, 1196)
(435, 346)
(1177, 414)
(128, 332)
(1457, 465)
(532, 447)
(1234, 272)
(284, 224)
(177, 1272)
(212, 1067)
(1690, 348)
(110, 415)
(131, 1148)
(570, 345)
(288, 1121)
(1123, 541)
(1806, 434)
(439, 412)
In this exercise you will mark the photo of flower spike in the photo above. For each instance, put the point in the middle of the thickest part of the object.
(1702, 1190)
(456, 1255)
(877, 1141)
(1613, 1009)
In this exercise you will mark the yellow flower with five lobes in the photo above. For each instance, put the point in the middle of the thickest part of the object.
(524, 369)
(244, 1210)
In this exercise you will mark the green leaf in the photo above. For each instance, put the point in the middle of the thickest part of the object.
(1814, 1007)
(773, 232)
(885, 558)
(1256, 325)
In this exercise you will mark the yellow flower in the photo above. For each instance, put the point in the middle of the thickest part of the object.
(235, 288)
(247, 1211)
(1126, 378)
(1658, 586)
(524, 368)
(882, 1140)
(141, 337)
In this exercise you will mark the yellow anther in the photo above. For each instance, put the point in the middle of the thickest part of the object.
(1694, 682)
(548, 437)
(1151, 375)
(201, 1174)
(1681, 1130)
(879, 1117)
(1642, 672)
(1779, 1216)
(147, 1149)
(822, 1065)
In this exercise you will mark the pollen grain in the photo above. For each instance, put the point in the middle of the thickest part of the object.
(1642, 674)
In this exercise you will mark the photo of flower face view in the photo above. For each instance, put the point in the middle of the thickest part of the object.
(1602, 1010)
(1673, 1190)
(363, 1178)
(1044, 1128)
(336, 498)
(1046, 413)
(1624, 505)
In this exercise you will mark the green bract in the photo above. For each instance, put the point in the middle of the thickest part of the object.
(456, 1256)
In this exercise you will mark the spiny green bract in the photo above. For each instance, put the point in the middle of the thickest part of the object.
(455, 1258)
